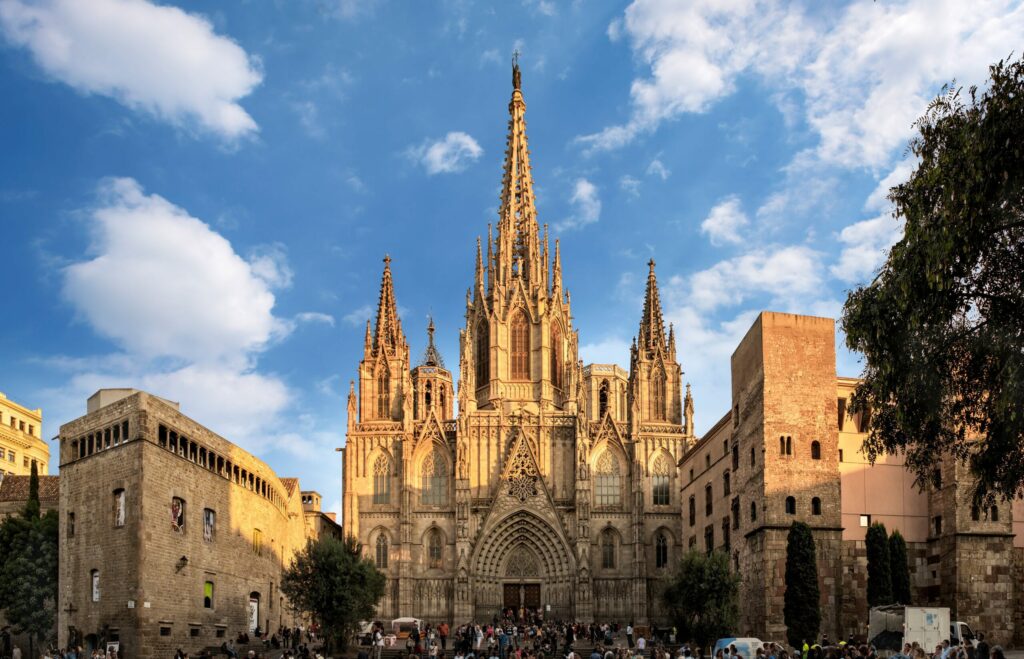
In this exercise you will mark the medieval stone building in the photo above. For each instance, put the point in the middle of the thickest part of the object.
(555, 486)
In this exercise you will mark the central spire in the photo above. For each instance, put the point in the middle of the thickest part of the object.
(518, 240)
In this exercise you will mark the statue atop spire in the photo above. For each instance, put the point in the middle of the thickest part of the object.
(517, 80)
(652, 327)
(432, 356)
(387, 334)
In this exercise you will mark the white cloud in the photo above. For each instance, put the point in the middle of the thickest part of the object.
(544, 7)
(723, 223)
(358, 317)
(610, 350)
(866, 245)
(315, 317)
(895, 55)
(787, 275)
(630, 185)
(878, 201)
(309, 118)
(658, 168)
(189, 315)
(162, 283)
(453, 153)
(152, 58)
(586, 203)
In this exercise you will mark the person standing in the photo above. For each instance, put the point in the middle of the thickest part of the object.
(981, 651)
(442, 631)
(629, 634)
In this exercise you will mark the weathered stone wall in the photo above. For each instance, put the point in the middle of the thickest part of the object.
(1017, 570)
(151, 576)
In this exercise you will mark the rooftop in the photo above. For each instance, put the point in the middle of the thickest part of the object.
(15, 488)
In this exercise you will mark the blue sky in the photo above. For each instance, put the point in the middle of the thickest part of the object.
(196, 197)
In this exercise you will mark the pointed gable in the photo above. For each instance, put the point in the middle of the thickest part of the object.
(387, 335)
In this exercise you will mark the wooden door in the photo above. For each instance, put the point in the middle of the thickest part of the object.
(511, 596)
(531, 595)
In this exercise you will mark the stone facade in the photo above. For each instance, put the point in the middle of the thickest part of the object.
(556, 486)
(548, 487)
(171, 537)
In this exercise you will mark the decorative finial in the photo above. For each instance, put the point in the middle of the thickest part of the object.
(387, 260)
(650, 264)
(516, 77)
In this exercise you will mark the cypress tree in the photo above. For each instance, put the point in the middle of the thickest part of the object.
(879, 573)
(32, 506)
(899, 568)
(801, 609)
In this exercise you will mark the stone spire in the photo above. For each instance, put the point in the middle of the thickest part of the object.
(688, 412)
(432, 356)
(556, 275)
(387, 335)
(652, 327)
(518, 242)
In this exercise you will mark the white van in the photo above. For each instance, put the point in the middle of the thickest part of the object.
(745, 647)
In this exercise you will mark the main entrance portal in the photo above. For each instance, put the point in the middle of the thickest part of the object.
(522, 596)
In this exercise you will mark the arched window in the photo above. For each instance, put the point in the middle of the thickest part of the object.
(815, 450)
(660, 482)
(94, 580)
(782, 445)
(789, 445)
(427, 396)
(433, 480)
(383, 394)
(520, 349)
(602, 399)
(483, 354)
(608, 549)
(208, 595)
(815, 506)
(556, 356)
(661, 551)
(382, 552)
(119, 507)
(790, 506)
(382, 480)
(434, 554)
(607, 480)
(753, 511)
(658, 396)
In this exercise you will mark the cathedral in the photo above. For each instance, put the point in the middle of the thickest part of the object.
(555, 486)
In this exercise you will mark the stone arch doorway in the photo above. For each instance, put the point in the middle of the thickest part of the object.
(522, 561)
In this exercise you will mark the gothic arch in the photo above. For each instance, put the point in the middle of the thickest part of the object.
(523, 530)
(661, 454)
(519, 353)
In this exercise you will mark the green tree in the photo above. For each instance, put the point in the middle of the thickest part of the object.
(332, 582)
(801, 608)
(900, 569)
(28, 568)
(879, 572)
(702, 597)
(940, 325)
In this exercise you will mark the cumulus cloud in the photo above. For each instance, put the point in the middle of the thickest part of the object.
(586, 204)
(152, 58)
(787, 275)
(723, 223)
(866, 244)
(452, 153)
(895, 55)
(162, 283)
(189, 315)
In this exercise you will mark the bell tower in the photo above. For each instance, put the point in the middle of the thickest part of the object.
(384, 382)
(519, 349)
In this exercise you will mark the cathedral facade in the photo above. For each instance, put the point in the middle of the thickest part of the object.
(556, 485)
